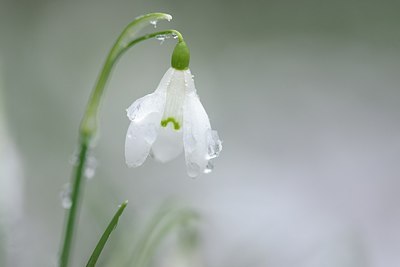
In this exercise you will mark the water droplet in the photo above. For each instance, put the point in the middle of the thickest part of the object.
(65, 196)
(74, 159)
(161, 37)
(174, 35)
(154, 23)
(133, 111)
(209, 168)
(214, 144)
(193, 169)
(90, 167)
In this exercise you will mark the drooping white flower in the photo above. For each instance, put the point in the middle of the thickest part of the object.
(170, 120)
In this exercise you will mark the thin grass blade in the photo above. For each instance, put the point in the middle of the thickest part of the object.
(103, 240)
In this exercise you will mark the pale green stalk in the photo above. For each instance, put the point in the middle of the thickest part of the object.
(89, 124)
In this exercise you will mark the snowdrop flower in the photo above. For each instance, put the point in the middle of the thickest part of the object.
(172, 119)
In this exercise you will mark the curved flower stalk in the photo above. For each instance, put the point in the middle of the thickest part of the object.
(126, 40)
(172, 119)
(89, 124)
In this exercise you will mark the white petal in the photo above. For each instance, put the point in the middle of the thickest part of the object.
(145, 114)
(139, 138)
(168, 145)
(155, 101)
(190, 88)
(175, 98)
(200, 142)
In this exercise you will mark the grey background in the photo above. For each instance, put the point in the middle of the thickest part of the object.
(304, 95)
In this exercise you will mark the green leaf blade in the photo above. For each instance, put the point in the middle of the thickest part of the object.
(103, 240)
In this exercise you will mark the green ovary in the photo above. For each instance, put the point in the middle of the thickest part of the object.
(165, 122)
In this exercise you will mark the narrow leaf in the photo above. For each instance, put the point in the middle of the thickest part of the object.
(103, 240)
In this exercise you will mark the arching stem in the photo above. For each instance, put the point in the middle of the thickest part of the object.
(89, 124)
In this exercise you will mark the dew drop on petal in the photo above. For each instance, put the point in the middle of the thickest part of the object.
(214, 144)
(133, 110)
(193, 169)
(65, 196)
(209, 167)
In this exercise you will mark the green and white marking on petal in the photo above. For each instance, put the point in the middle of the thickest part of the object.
(176, 124)
(173, 112)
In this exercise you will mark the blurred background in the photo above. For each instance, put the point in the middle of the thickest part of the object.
(304, 94)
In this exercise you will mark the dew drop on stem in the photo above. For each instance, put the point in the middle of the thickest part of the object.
(154, 23)
(74, 159)
(90, 167)
(65, 196)
(161, 37)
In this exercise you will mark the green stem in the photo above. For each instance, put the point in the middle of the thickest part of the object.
(78, 184)
(88, 127)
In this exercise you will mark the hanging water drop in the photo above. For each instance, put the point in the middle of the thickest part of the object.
(209, 167)
(174, 35)
(161, 37)
(65, 196)
(74, 159)
(169, 17)
(214, 144)
(154, 23)
(90, 167)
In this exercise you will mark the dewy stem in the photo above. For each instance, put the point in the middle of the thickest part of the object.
(72, 212)
(88, 127)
